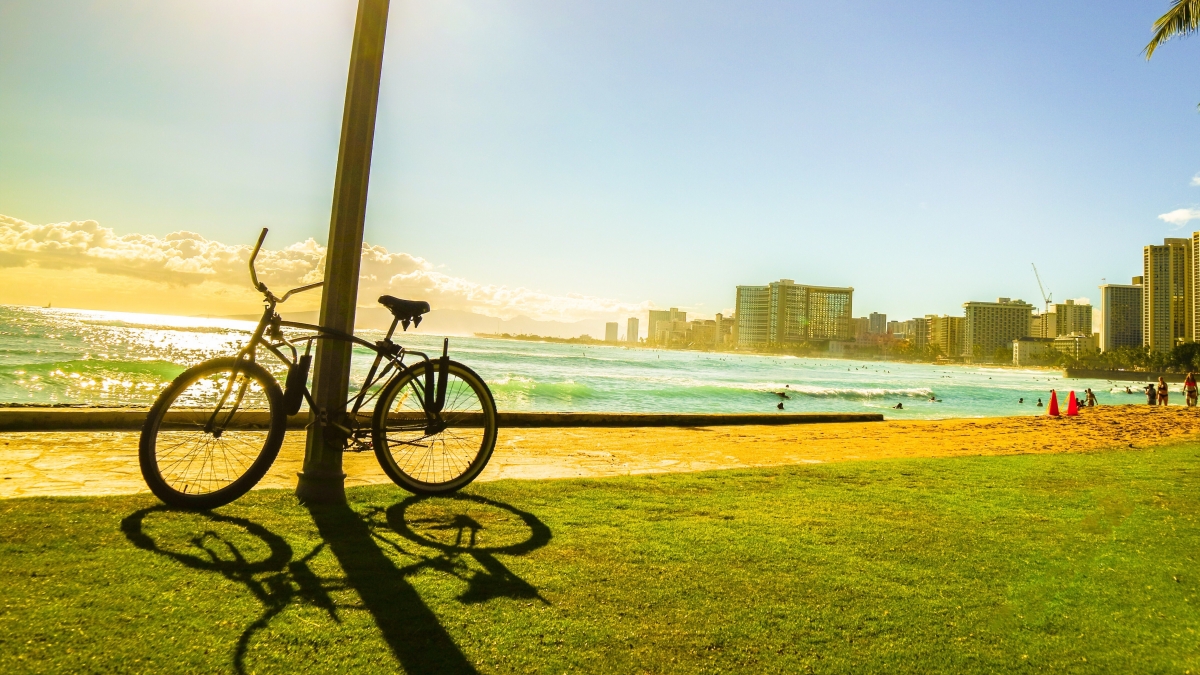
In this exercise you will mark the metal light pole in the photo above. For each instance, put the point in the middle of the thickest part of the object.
(322, 479)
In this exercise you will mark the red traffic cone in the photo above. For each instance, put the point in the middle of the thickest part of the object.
(1053, 409)
(1072, 406)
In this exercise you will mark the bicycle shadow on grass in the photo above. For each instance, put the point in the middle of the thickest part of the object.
(441, 535)
(468, 526)
(454, 527)
(228, 546)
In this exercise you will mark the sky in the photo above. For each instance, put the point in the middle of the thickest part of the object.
(594, 159)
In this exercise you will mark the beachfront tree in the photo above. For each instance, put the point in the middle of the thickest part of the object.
(1182, 19)
(1184, 358)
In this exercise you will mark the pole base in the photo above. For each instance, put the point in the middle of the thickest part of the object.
(321, 488)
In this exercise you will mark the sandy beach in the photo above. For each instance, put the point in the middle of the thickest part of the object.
(101, 463)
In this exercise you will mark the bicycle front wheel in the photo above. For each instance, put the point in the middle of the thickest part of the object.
(434, 453)
(212, 434)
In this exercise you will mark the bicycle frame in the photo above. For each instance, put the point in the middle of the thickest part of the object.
(425, 443)
(433, 394)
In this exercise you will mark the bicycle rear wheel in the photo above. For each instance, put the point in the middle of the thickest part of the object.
(434, 454)
(212, 434)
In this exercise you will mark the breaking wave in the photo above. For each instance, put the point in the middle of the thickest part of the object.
(834, 392)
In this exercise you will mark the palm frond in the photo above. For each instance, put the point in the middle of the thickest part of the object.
(1182, 19)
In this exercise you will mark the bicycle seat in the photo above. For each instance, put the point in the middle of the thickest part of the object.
(404, 310)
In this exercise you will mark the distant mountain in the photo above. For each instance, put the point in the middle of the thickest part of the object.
(456, 322)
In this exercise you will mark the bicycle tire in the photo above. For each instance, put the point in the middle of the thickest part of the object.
(455, 454)
(241, 444)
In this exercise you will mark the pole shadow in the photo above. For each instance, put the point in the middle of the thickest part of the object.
(453, 527)
(417, 639)
(412, 631)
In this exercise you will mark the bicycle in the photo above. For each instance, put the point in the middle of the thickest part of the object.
(213, 433)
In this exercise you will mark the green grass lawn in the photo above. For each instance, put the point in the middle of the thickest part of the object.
(1079, 563)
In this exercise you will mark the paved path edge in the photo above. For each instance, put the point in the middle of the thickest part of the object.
(124, 419)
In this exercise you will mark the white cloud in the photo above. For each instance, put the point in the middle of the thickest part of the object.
(187, 258)
(1196, 180)
(1180, 217)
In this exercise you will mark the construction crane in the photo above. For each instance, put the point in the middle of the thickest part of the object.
(1045, 298)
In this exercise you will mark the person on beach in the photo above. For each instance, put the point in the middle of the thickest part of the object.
(1163, 392)
(1091, 398)
(780, 406)
(899, 406)
(1021, 400)
(1039, 403)
(1128, 390)
(1151, 397)
(1189, 390)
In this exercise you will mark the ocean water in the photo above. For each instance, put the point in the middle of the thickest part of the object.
(78, 357)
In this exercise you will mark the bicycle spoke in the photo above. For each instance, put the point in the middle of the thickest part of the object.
(434, 455)
(194, 460)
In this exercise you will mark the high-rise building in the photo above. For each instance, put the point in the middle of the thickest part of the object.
(989, 326)
(1044, 325)
(1120, 315)
(655, 315)
(785, 313)
(666, 316)
(1063, 318)
(788, 317)
(703, 333)
(752, 306)
(916, 331)
(1072, 318)
(631, 330)
(829, 310)
(610, 331)
(1167, 298)
(946, 333)
(726, 331)
(861, 327)
(671, 333)
(1193, 275)
(878, 323)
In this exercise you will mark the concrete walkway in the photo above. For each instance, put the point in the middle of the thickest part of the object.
(103, 463)
(131, 419)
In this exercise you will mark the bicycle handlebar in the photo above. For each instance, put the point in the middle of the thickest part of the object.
(258, 285)
(301, 290)
(261, 287)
